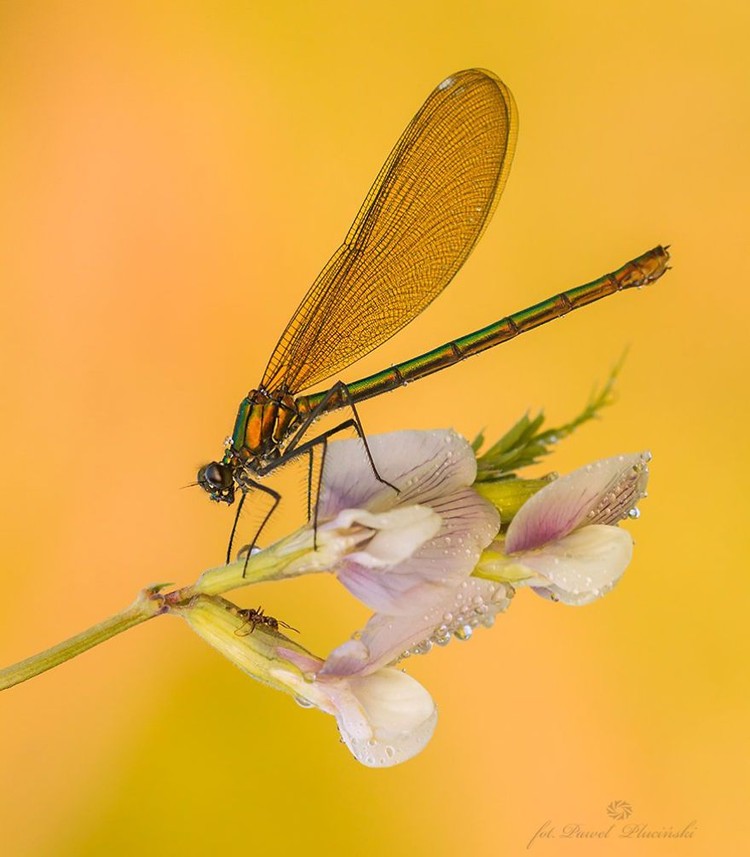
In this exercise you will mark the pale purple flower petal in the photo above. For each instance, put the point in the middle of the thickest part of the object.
(423, 465)
(428, 535)
(386, 638)
(599, 493)
(467, 525)
(582, 566)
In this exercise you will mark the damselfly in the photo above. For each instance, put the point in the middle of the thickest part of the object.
(428, 207)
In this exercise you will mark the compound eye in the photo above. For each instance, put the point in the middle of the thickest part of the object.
(217, 477)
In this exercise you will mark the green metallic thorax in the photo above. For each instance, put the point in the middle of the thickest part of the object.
(264, 421)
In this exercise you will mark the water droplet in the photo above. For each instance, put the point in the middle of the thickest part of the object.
(303, 703)
(634, 513)
(390, 752)
(463, 633)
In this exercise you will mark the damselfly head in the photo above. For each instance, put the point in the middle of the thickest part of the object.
(216, 478)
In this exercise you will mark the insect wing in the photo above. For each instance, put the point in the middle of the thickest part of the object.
(422, 217)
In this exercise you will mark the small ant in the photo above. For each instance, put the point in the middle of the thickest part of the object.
(254, 617)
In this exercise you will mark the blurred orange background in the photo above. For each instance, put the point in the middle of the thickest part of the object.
(174, 176)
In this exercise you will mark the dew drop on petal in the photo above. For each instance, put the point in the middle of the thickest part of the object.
(499, 594)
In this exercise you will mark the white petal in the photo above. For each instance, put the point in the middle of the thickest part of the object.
(399, 712)
(599, 493)
(350, 658)
(584, 565)
(398, 533)
(384, 718)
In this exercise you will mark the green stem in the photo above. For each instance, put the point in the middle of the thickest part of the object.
(147, 605)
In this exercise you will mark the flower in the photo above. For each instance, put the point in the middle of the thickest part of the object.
(430, 563)
(384, 718)
(564, 542)
(407, 554)
(415, 543)
(392, 549)
(417, 577)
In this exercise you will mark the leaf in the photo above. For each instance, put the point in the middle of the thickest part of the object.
(526, 442)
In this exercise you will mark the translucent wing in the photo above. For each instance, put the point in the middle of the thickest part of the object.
(423, 215)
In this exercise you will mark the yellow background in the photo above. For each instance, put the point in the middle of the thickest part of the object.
(173, 177)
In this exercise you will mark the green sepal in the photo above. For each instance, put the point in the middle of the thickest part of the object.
(495, 565)
(508, 495)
